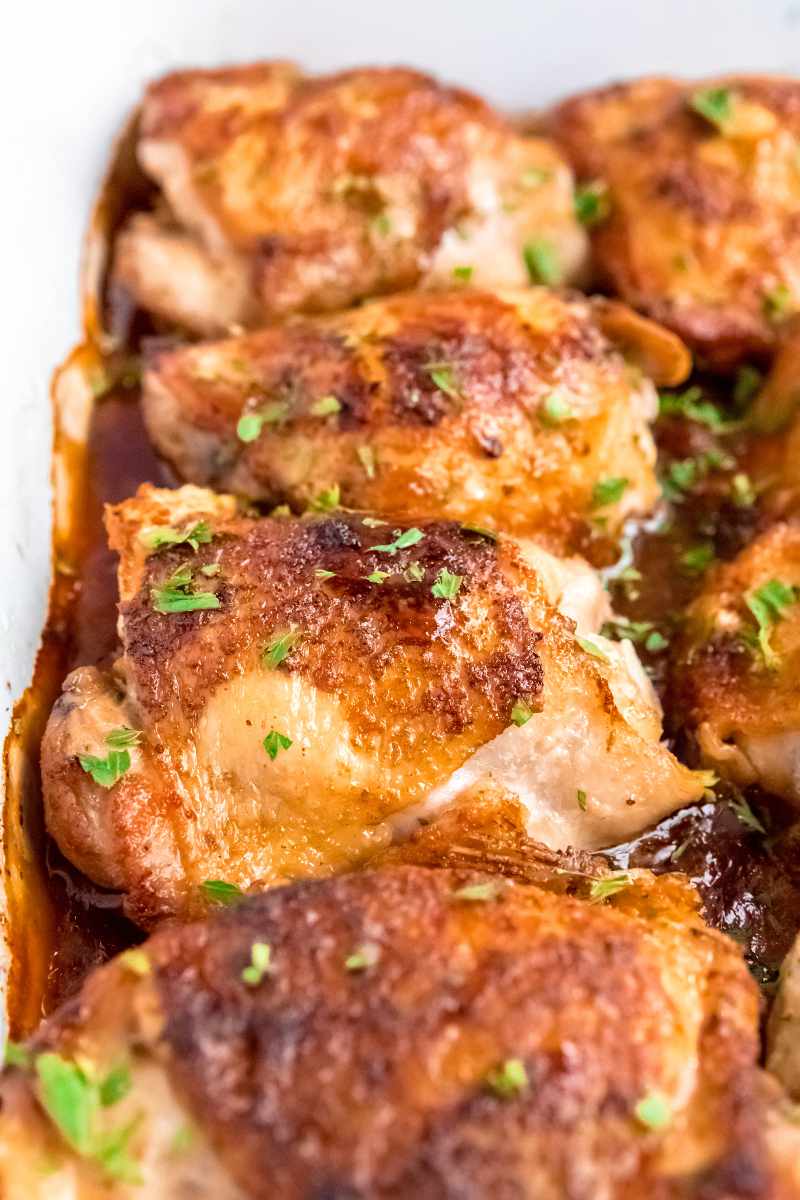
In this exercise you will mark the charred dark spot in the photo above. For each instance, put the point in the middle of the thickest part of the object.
(335, 533)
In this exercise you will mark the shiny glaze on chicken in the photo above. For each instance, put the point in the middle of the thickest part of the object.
(703, 193)
(515, 411)
(421, 661)
(282, 193)
(418, 1032)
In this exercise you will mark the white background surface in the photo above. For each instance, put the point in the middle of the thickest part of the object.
(69, 72)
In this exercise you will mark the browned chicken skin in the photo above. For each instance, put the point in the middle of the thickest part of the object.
(412, 674)
(284, 193)
(405, 1037)
(703, 192)
(512, 411)
(736, 677)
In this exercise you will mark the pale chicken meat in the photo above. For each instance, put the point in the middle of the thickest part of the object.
(736, 677)
(526, 411)
(697, 190)
(411, 1032)
(305, 690)
(279, 193)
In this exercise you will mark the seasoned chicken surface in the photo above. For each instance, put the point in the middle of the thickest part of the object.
(737, 676)
(515, 411)
(412, 1032)
(306, 689)
(698, 224)
(284, 193)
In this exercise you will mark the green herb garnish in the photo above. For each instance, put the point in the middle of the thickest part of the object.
(509, 1079)
(378, 576)
(322, 573)
(489, 534)
(280, 648)
(743, 493)
(768, 605)
(250, 424)
(443, 375)
(748, 383)
(123, 737)
(106, 771)
(274, 742)
(715, 105)
(745, 815)
(260, 964)
(697, 559)
(326, 500)
(608, 491)
(542, 263)
(555, 410)
(591, 647)
(221, 892)
(414, 572)
(583, 800)
(402, 540)
(156, 537)
(326, 406)
(115, 1086)
(447, 585)
(591, 202)
(521, 712)
(363, 958)
(175, 595)
(777, 303)
(691, 405)
(478, 892)
(464, 274)
(653, 1111)
(17, 1055)
(601, 889)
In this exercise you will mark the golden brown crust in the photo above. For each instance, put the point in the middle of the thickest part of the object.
(441, 408)
(703, 226)
(335, 1081)
(309, 194)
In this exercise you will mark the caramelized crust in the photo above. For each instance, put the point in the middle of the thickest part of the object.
(504, 410)
(283, 193)
(703, 230)
(325, 1079)
(397, 700)
(742, 700)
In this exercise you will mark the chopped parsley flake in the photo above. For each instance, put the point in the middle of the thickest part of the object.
(250, 424)
(73, 1103)
(221, 892)
(509, 1079)
(591, 202)
(521, 712)
(17, 1055)
(363, 958)
(135, 962)
(446, 586)
(377, 576)
(601, 889)
(777, 303)
(326, 406)
(591, 647)
(746, 816)
(477, 893)
(443, 375)
(715, 105)
(211, 569)
(414, 572)
(174, 594)
(768, 605)
(541, 262)
(608, 491)
(156, 537)
(653, 1111)
(115, 1086)
(123, 737)
(326, 501)
(366, 456)
(583, 800)
(697, 559)
(280, 648)
(464, 274)
(748, 383)
(402, 540)
(322, 573)
(275, 742)
(106, 771)
(639, 632)
(555, 410)
(691, 405)
(259, 965)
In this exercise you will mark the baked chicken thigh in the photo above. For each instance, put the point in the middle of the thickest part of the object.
(409, 1032)
(284, 193)
(700, 190)
(292, 693)
(516, 411)
(737, 675)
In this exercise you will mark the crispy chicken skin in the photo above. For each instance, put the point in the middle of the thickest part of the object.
(370, 1058)
(741, 696)
(284, 193)
(504, 410)
(398, 701)
(702, 231)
